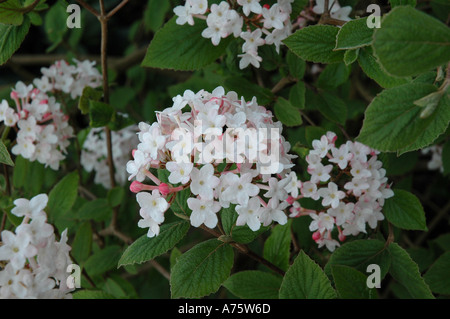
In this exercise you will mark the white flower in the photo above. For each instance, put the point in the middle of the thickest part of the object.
(203, 212)
(16, 248)
(204, 181)
(240, 189)
(320, 173)
(250, 6)
(274, 211)
(274, 17)
(249, 57)
(321, 147)
(184, 14)
(331, 195)
(277, 188)
(309, 189)
(321, 222)
(249, 214)
(341, 156)
(152, 142)
(294, 184)
(152, 211)
(342, 212)
(252, 40)
(179, 172)
(30, 208)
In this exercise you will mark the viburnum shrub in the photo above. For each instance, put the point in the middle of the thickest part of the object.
(223, 149)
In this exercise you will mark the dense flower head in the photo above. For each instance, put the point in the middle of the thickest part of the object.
(94, 154)
(350, 184)
(225, 150)
(43, 129)
(254, 23)
(251, 21)
(68, 78)
(34, 265)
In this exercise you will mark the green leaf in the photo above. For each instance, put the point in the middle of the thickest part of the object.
(278, 245)
(82, 243)
(351, 283)
(10, 12)
(359, 254)
(406, 272)
(437, 276)
(249, 89)
(201, 270)
(145, 248)
(154, 14)
(115, 196)
(55, 24)
(315, 43)
(62, 196)
(20, 172)
(100, 114)
(88, 94)
(333, 76)
(411, 42)
(297, 95)
(392, 121)
(373, 70)
(351, 56)
(395, 3)
(5, 158)
(103, 260)
(188, 49)
(286, 113)
(11, 37)
(91, 294)
(405, 211)
(296, 65)
(254, 284)
(306, 280)
(354, 34)
(332, 107)
(98, 210)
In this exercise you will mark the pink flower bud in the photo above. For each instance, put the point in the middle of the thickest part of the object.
(14, 95)
(341, 237)
(316, 236)
(136, 187)
(290, 200)
(164, 189)
(267, 6)
(133, 151)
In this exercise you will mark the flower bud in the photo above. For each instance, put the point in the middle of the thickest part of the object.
(136, 187)
(164, 189)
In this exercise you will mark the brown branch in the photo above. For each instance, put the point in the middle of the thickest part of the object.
(282, 84)
(244, 250)
(89, 8)
(117, 8)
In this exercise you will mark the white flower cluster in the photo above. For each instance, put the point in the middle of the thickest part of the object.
(33, 264)
(351, 184)
(70, 79)
(43, 129)
(225, 150)
(222, 20)
(435, 163)
(94, 154)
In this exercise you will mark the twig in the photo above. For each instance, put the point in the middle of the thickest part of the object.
(89, 8)
(117, 8)
(281, 84)
(244, 250)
